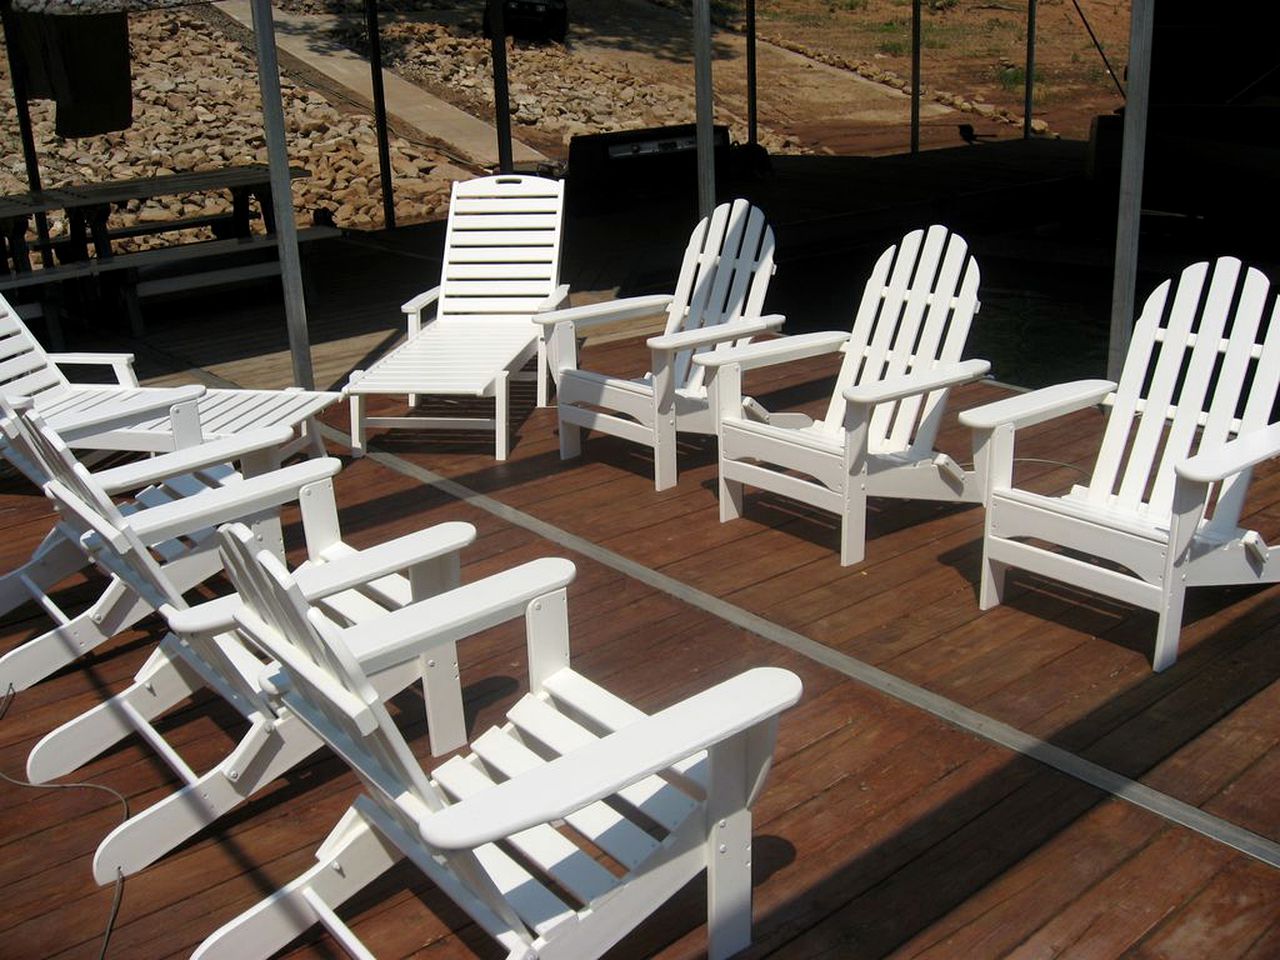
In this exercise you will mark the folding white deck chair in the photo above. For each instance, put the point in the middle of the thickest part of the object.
(901, 359)
(1189, 418)
(501, 266)
(124, 416)
(149, 483)
(717, 302)
(657, 799)
(351, 586)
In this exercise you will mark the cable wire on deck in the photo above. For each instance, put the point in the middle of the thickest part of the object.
(118, 895)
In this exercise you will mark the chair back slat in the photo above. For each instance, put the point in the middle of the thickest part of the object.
(25, 367)
(915, 313)
(328, 689)
(724, 277)
(1196, 374)
(502, 248)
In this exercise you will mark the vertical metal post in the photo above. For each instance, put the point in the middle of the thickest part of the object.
(295, 307)
(1031, 68)
(705, 107)
(752, 111)
(18, 79)
(501, 86)
(1129, 215)
(380, 112)
(915, 76)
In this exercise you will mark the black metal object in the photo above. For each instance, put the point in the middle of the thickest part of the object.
(752, 137)
(501, 86)
(380, 112)
(18, 78)
(609, 171)
(915, 76)
(1031, 69)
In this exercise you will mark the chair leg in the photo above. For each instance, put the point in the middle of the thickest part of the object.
(501, 415)
(270, 749)
(664, 454)
(570, 440)
(1169, 627)
(351, 858)
(853, 521)
(357, 425)
(117, 609)
(163, 682)
(991, 592)
(730, 498)
(544, 386)
(729, 849)
(52, 562)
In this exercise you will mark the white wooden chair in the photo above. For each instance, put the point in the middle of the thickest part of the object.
(1189, 418)
(351, 586)
(501, 266)
(900, 360)
(149, 483)
(126, 416)
(717, 302)
(657, 799)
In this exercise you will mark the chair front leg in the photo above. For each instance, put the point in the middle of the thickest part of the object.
(724, 389)
(993, 464)
(664, 420)
(853, 518)
(1190, 500)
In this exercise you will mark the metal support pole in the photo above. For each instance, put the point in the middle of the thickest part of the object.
(1129, 216)
(915, 76)
(1031, 68)
(705, 107)
(752, 106)
(18, 79)
(501, 86)
(295, 307)
(380, 112)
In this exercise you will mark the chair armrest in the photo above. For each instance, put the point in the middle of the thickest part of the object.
(320, 580)
(406, 633)
(605, 766)
(918, 383)
(555, 300)
(225, 504)
(325, 579)
(421, 301)
(1228, 459)
(608, 311)
(752, 355)
(131, 476)
(1028, 409)
(720, 333)
(121, 364)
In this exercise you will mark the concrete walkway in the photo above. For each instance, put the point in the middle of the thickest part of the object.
(307, 39)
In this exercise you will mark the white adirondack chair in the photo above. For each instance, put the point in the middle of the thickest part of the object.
(124, 416)
(352, 587)
(501, 266)
(1191, 413)
(717, 302)
(662, 797)
(151, 483)
(901, 359)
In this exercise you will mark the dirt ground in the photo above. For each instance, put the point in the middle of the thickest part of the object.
(831, 72)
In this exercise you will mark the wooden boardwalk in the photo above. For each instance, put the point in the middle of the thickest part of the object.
(953, 784)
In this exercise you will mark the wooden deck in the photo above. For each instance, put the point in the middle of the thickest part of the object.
(953, 784)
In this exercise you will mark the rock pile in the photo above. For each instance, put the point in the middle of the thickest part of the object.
(559, 94)
(196, 107)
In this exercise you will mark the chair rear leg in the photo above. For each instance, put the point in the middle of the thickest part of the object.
(501, 415)
(353, 856)
(730, 497)
(357, 425)
(991, 591)
(853, 521)
(52, 562)
(163, 682)
(570, 440)
(117, 609)
(269, 750)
